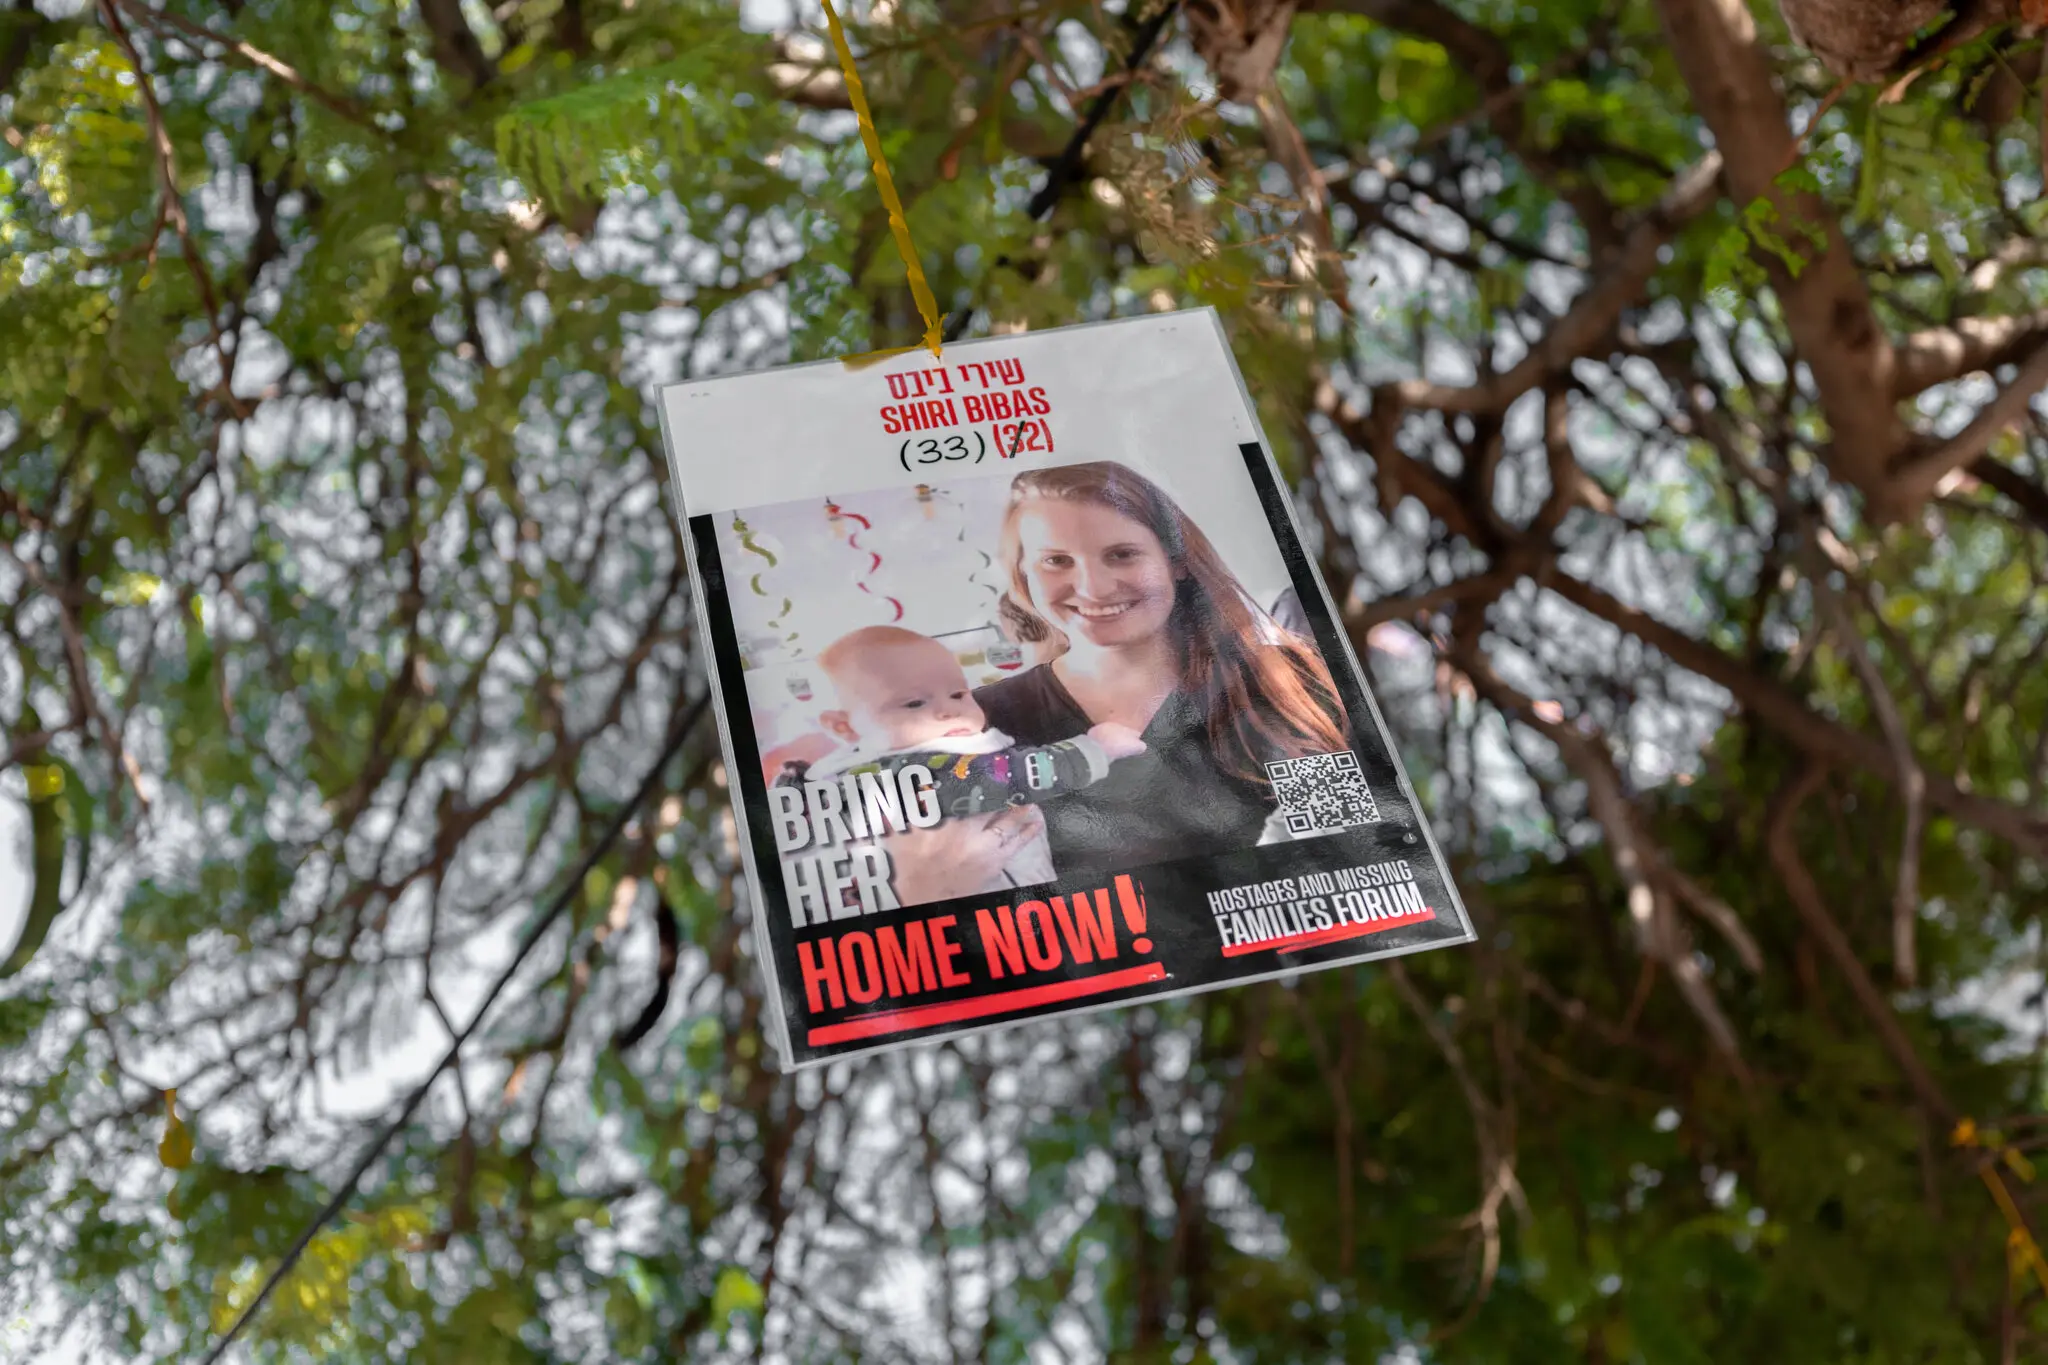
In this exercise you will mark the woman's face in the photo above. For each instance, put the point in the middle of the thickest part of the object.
(1094, 572)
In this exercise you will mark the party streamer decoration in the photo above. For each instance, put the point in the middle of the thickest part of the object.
(754, 546)
(839, 517)
(987, 560)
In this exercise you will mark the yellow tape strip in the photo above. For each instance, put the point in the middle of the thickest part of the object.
(867, 358)
(927, 306)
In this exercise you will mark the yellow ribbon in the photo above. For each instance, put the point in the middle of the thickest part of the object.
(927, 306)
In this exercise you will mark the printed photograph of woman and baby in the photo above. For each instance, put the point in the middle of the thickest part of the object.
(1097, 670)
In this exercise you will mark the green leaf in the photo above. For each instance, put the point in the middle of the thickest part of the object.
(736, 1292)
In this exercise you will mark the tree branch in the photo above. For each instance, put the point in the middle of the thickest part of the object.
(1821, 923)
(456, 49)
(1783, 850)
(1361, 617)
(252, 56)
(1912, 779)
(1918, 477)
(1496, 1151)
(1826, 305)
(171, 202)
(1484, 57)
(1593, 314)
(1939, 354)
(1856, 39)
(1316, 239)
(1399, 475)
(1716, 912)
(811, 79)
(1658, 932)
(1815, 735)
(2030, 497)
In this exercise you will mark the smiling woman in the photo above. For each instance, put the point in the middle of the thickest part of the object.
(1151, 630)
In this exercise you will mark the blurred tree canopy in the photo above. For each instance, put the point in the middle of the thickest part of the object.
(1660, 392)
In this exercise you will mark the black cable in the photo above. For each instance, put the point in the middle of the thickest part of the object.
(347, 1189)
(670, 937)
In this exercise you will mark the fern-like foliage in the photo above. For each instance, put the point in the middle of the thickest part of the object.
(1733, 265)
(1915, 170)
(621, 130)
(1919, 185)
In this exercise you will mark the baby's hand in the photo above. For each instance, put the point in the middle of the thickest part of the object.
(1118, 741)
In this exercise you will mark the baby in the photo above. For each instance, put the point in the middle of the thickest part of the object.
(905, 699)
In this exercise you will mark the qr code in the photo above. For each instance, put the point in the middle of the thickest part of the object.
(1320, 793)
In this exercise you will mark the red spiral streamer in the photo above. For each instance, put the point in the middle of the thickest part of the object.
(835, 512)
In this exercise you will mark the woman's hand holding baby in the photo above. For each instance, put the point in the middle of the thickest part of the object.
(1118, 741)
(961, 857)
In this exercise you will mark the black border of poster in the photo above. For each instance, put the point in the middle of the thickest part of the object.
(1185, 954)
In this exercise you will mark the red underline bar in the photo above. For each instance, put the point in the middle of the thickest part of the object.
(981, 1007)
(1296, 942)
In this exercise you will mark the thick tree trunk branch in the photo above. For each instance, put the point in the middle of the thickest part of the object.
(1863, 40)
(1855, 367)
(1827, 308)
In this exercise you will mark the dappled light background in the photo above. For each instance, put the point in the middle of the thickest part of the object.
(1661, 404)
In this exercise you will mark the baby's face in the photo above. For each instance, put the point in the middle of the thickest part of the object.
(906, 694)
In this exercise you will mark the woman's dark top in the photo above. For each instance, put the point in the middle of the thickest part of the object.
(1172, 801)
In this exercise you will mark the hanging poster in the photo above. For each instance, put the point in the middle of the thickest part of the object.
(1031, 700)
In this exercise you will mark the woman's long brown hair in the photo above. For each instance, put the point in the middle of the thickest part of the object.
(1263, 698)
